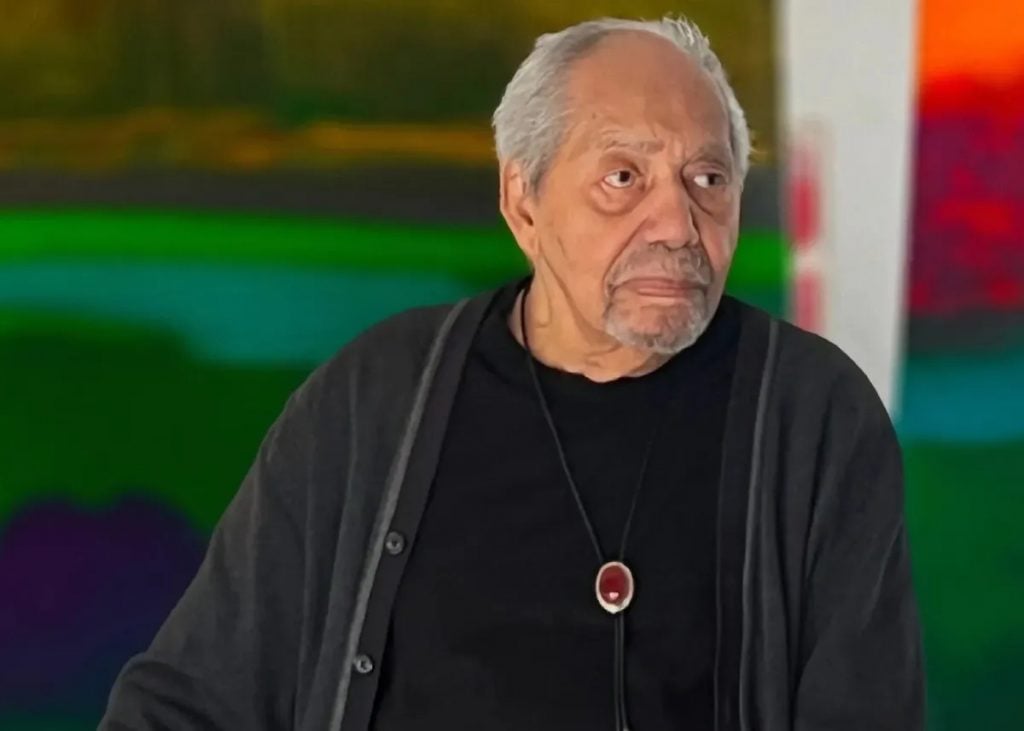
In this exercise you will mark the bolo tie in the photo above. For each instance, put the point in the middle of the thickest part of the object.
(614, 586)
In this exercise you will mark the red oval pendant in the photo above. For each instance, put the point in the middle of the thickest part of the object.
(614, 587)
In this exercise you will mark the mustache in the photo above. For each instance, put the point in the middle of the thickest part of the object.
(688, 264)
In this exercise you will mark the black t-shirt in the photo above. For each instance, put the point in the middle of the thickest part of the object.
(495, 624)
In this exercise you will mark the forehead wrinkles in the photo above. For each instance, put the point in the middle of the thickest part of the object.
(643, 86)
(597, 139)
(683, 130)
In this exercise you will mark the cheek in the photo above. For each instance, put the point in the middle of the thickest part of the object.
(591, 242)
(583, 244)
(721, 247)
(719, 236)
(590, 255)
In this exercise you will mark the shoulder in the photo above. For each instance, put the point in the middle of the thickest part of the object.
(823, 415)
(366, 384)
(811, 372)
(389, 354)
(405, 336)
(382, 366)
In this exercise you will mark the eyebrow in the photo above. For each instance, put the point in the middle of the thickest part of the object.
(713, 151)
(637, 145)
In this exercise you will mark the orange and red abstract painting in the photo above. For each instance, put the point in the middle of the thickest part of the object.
(968, 254)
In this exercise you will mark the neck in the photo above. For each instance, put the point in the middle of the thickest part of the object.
(560, 338)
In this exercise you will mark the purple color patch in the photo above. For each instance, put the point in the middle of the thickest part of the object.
(80, 592)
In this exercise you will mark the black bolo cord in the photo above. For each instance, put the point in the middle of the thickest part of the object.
(619, 667)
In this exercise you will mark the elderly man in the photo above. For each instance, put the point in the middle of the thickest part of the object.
(606, 497)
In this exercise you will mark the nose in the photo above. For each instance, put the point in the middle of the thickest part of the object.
(670, 217)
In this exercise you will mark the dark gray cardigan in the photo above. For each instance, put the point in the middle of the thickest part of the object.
(286, 620)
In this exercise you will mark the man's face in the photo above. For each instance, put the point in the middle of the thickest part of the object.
(638, 215)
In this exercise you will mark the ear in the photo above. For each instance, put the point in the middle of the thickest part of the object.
(519, 208)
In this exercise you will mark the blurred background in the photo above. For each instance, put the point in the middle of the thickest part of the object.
(200, 201)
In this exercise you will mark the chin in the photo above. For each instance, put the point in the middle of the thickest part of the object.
(663, 342)
(660, 328)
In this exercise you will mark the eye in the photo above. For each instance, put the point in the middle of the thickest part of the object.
(709, 180)
(620, 178)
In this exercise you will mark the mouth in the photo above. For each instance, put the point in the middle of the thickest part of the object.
(661, 287)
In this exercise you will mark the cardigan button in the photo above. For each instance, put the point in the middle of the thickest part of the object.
(394, 543)
(363, 664)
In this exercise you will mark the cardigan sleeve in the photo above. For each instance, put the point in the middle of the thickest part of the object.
(226, 657)
(861, 659)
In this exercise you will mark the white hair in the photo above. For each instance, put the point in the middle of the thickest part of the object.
(529, 121)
